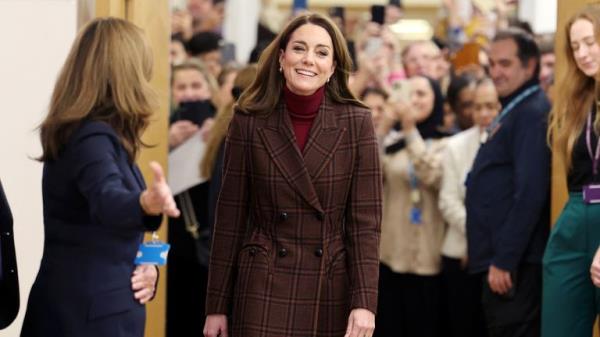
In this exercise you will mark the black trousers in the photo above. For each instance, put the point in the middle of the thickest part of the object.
(517, 314)
(409, 305)
(463, 313)
(187, 280)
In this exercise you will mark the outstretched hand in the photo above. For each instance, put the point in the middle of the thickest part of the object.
(158, 197)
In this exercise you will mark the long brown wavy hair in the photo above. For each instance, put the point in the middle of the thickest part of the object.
(263, 94)
(105, 78)
(242, 81)
(578, 93)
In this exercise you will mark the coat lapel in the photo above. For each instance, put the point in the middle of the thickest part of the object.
(323, 140)
(280, 143)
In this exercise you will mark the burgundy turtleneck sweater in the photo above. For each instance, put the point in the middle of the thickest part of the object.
(303, 110)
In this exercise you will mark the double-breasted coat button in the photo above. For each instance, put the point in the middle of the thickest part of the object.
(318, 252)
(320, 216)
(283, 216)
(252, 251)
(282, 252)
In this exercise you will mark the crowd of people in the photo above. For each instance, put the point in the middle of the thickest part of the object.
(353, 184)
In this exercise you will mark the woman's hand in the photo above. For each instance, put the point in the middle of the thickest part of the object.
(158, 198)
(595, 269)
(361, 323)
(143, 282)
(206, 129)
(216, 326)
(404, 112)
(181, 131)
(181, 22)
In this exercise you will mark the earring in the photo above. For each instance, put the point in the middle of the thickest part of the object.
(280, 68)
(328, 78)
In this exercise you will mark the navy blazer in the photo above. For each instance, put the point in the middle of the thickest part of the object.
(508, 189)
(9, 280)
(93, 225)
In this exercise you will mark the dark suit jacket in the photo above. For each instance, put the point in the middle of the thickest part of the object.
(507, 198)
(9, 281)
(296, 239)
(93, 224)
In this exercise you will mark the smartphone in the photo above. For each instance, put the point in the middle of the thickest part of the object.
(336, 11)
(402, 90)
(196, 112)
(378, 14)
(178, 5)
(373, 45)
(227, 53)
(464, 9)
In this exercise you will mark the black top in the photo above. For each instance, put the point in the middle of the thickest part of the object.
(581, 172)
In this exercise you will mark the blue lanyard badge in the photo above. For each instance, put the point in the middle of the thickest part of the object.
(153, 252)
(495, 125)
(415, 196)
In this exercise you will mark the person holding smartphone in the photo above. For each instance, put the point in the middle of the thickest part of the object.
(412, 226)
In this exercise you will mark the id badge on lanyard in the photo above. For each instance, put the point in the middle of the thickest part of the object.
(416, 213)
(152, 252)
(591, 192)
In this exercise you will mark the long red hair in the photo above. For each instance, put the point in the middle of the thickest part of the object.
(578, 93)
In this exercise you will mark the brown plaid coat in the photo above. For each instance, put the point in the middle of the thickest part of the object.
(296, 240)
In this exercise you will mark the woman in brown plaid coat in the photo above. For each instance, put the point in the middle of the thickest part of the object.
(296, 239)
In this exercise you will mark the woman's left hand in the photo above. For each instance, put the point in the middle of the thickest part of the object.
(143, 282)
(361, 323)
(595, 269)
(157, 198)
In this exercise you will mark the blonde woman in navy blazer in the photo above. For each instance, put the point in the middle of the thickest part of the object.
(96, 205)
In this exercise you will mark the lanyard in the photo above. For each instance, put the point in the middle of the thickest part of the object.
(413, 180)
(588, 139)
(415, 193)
(511, 105)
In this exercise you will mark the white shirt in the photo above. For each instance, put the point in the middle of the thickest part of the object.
(460, 153)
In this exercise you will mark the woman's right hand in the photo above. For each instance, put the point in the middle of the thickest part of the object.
(181, 131)
(216, 326)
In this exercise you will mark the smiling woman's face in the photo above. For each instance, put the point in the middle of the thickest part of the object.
(307, 61)
(586, 50)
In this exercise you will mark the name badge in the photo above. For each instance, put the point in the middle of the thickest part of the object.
(153, 252)
(591, 194)
(415, 216)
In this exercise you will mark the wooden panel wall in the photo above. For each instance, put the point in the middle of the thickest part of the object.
(153, 17)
